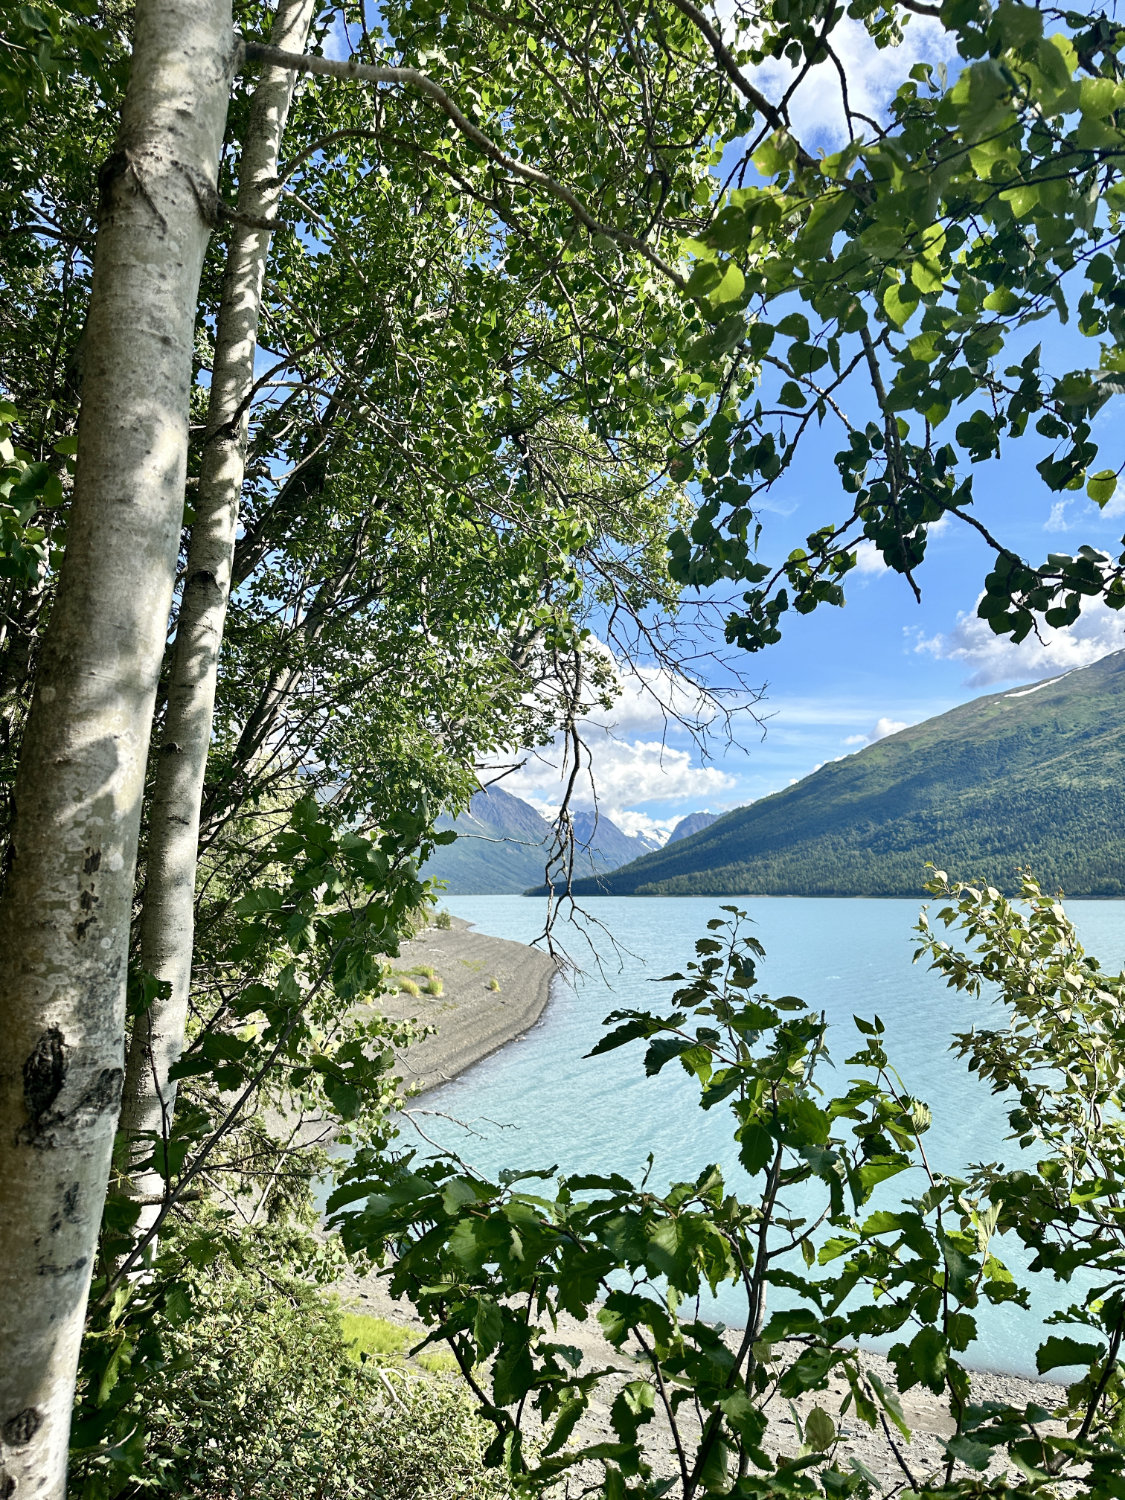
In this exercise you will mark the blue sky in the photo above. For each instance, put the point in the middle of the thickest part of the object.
(842, 678)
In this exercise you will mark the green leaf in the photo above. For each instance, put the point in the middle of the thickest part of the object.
(899, 303)
(731, 287)
(977, 1455)
(925, 1359)
(1102, 486)
(713, 1475)
(1055, 1352)
(756, 1147)
(820, 1430)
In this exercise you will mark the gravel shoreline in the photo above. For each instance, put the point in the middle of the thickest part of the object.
(472, 1019)
(926, 1415)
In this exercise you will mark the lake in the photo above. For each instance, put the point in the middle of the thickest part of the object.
(540, 1103)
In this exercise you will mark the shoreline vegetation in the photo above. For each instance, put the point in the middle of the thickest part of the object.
(473, 1021)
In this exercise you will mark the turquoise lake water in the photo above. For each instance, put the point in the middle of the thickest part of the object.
(540, 1103)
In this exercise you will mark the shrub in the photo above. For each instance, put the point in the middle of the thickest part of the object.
(494, 985)
(443, 920)
(260, 1394)
(408, 987)
(472, 1254)
(435, 986)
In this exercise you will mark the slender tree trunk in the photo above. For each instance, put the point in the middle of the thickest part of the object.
(64, 916)
(167, 921)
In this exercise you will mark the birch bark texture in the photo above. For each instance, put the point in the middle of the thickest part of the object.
(65, 910)
(168, 916)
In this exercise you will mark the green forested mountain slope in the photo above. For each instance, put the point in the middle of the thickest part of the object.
(1033, 776)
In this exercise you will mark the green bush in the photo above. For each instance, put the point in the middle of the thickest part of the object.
(491, 1266)
(259, 1394)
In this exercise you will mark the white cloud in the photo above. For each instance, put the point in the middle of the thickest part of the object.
(881, 728)
(621, 773)
(648, 695)
(1115, 505)
(336, 43)
(1057, 520)
(992, 659)
(639, 824)
(873, 75)
(868, 559)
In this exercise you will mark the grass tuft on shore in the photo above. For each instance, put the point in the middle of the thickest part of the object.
(379, 1339)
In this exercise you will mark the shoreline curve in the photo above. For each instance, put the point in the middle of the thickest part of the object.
(472, 1019)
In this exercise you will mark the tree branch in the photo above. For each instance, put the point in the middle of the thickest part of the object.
(725, 58)
(350, 70)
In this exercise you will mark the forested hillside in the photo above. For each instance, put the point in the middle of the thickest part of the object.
(1034, 776)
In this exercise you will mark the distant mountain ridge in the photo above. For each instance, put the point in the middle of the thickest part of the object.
(1031, 776)
(693, 823)
(503, 843)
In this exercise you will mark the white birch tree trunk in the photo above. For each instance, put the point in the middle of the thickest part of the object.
(167, 921)
(64, 914)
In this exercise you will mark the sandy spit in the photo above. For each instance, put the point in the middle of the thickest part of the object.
(471, 1017)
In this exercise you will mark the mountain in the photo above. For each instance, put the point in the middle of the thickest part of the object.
(503, 843)
(1033, 776)
(606, 843)
(693, 823)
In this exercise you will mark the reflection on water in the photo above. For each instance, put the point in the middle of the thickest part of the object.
(542, 1103)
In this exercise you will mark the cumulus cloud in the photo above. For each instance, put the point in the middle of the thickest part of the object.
(992, 659)
(639, 824)
(868, 559)
(883, 727)
(879, 731)
(1057, 520)
(647, 696)
(622, 772)
(873, 75)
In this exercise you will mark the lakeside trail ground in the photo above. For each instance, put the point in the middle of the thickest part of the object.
(492, 992)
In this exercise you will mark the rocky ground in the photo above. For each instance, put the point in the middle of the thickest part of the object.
(927, 1417)
(492, 992)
